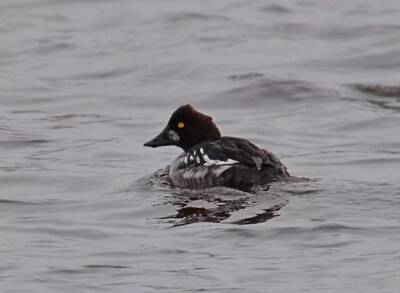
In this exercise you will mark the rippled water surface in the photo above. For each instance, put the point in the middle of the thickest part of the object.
(84, 83)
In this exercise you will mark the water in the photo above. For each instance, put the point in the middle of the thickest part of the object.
(85, 83)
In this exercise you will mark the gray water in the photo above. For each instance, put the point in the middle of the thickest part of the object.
(84, 83)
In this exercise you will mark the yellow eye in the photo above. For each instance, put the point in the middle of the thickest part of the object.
(181, 125)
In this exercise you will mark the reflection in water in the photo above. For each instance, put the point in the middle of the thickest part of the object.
(206, 207)
(215, 205)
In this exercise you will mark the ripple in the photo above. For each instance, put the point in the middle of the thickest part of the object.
(86, 269)
(23, 143)
(380, 96)
(334, 227)
(45, 49)
(78, 233)
(264, 91)
(187, 17)
(276, 9)
(5, 201)
(16, 202)
(246, 76)
(102, 74)
(378, 90)
(103, 266)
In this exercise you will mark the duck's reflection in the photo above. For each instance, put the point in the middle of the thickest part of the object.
(221, 205)
(214, 205)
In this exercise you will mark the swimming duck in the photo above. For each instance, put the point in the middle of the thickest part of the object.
(210, 159)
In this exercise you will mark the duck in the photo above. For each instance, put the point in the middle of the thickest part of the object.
(210, 159)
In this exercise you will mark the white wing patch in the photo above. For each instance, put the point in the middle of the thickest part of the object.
(209, 162)
(203, 159)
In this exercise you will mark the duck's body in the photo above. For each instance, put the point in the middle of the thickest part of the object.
(228, 161)
(211, 160)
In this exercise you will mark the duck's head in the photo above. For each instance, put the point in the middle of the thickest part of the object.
(186, 128)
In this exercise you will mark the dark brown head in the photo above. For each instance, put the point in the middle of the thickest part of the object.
(186, 128)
